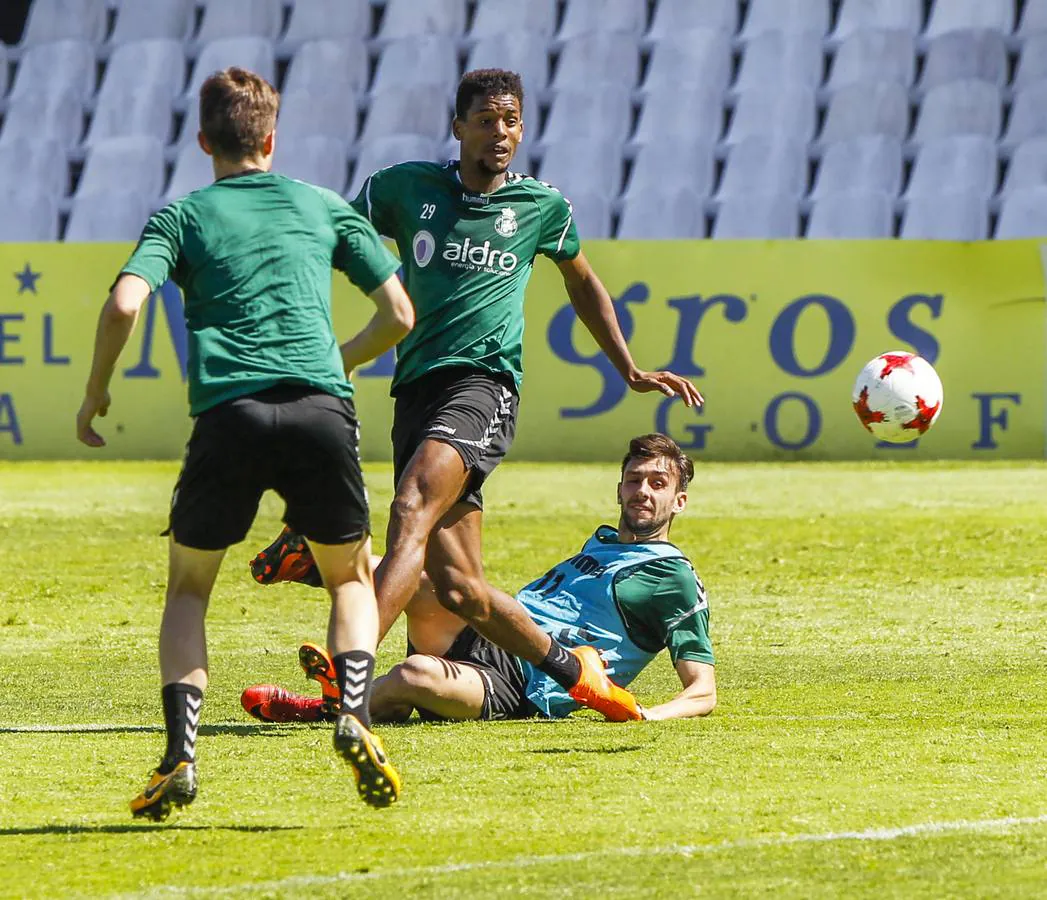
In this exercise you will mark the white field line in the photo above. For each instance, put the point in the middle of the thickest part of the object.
(303, 882)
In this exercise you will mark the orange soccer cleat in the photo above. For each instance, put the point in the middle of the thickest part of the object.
(317, 665)
(286, 559)
(269, 703)
(596, 690)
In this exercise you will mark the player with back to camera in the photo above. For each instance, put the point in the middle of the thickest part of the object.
(253, 253)
(628, 591)
(468, 233)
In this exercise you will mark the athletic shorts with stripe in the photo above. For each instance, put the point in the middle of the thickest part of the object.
(296, 440)
(472, 411)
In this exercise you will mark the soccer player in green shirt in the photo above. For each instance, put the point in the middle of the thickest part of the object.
(628, 592)
(253, 254)
(468, 233)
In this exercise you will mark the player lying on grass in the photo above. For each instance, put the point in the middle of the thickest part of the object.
(468, 234)
(273, 408)
(628, 592)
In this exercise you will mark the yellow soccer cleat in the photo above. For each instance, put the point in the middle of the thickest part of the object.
(377, 782)
(176, 788)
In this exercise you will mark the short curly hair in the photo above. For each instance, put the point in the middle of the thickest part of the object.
(660, 446)
(483, 83)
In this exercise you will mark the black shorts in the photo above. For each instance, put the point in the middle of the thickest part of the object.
(473, 411)
(504, 684)
(298, 441)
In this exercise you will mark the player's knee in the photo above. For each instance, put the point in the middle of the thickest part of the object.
(465, 597)
(417, 674)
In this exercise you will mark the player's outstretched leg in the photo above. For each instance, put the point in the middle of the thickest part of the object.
(288, 558)
(352, 635)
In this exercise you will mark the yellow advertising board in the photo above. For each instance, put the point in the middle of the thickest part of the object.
(773, 333)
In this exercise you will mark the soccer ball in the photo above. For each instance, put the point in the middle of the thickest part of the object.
(898, 396)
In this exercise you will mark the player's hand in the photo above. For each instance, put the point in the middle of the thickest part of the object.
(666, 383)
(91, 407)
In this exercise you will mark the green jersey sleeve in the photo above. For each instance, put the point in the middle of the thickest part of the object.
(559, 238)
(663, 604)
(375, 202)
(359, 251)
(159, 248)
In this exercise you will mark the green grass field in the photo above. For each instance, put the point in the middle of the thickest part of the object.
(881, 634)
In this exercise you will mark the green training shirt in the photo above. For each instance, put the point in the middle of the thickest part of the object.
(253, 255)
(663, 604)
(467, 259)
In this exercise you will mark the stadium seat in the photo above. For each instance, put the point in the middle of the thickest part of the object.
(786, 15)
(867, 164)
(192, 170)
(966, 163)
(591, 212)
(760, 216)
(44, 114)
(124, 163)
(495, 18)
(1034, 18)
(1032, 64)
(1028, 114)
(327, 20)
(111, 215)
(579, 164)
(340, 64)
(607, 57)
(424, 110)
(874, 54)
(523, 52)
(138, 21)
(331, 113)
(675, 16)
(692, 159)
(1028, 167)
(584, 16)
(854, 110)
(317, 159)
(959, 55)
(64, 20)
(31, 162)
(785, 109)
(141, 82)
(851, 216)
(954, 15)
(701, 57)
(764, 165)
(959, 107)
(388, 151)
(30, 214)
(419, 59)
(1023, 214)
(254, 53)
(692, 112)
(404, 18)
(859, 15)
(674, 211)
(602, 112)
(57, 66)
(946, 217)
(239, 19)
(777, 57)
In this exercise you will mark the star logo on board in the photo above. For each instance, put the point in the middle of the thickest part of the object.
(506, 224)
(27, 279)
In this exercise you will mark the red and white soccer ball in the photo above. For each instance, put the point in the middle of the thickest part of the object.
(898, 396)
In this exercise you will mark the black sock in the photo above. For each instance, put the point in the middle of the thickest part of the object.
(561, 666)
(182, 704)
(355, 672)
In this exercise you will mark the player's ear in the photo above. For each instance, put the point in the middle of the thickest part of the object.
(456, 128)
(204, 145)
(269, 144)
(680, 502)
(618, 493)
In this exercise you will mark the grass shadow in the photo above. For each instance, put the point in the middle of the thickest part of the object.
(633, 748)
(221, 728)
(130, 828)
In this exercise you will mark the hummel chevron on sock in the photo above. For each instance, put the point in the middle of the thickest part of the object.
(355, 670)
(182, 703)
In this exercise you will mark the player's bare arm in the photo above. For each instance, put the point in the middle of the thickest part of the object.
(698, 697)
(592, 303)
(392, 320)
(115, 325)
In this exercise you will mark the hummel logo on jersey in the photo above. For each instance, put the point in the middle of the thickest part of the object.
(479, 257)
(506, 224)
(446, 429)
